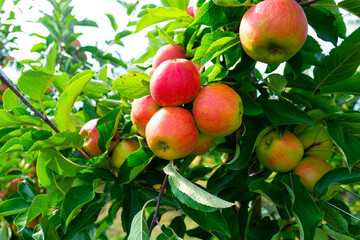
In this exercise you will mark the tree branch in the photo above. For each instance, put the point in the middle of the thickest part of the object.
(158, 198)
(308, 3)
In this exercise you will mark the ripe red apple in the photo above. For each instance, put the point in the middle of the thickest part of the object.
(3, 194)
(316, 141)
(141, 111)
(167, 52)
(273, 31)
(122, 150)
(204, 143)
(171, 133)
(175, 82)
(279, 154)
(310, 170)
(91, 135)
(217, 110)
(192, 8)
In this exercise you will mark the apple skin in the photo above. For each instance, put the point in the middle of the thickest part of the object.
(3, 194)
(122, 150)
(217, 110)
(141, 112)
(167, 52)
(190, 10)
(316, 141)
(14, 185)
(175, 82)
(279, 155)
(171, 133)
(273, 31)
(91, 135)
(203, 145)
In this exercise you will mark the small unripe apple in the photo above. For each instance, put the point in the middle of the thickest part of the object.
(204, 143)
(171, 133)
(167, 52)
(122, 151)
(141, 112)
(217, 110)
(175, 82)
(91, 135)
(316, 141)
(273, 31)
(279, 154)
(310, 170)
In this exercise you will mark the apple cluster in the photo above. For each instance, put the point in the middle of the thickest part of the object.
(172, 130)
(306, 153)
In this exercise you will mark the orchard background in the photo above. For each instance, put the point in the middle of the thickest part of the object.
(51, 189)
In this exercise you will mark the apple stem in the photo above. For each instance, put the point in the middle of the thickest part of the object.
(158, 198)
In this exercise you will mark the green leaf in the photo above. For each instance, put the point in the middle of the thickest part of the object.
(35, 83)
(139, 229)
(347, 86)
(10, 100)
(132, 85)
(13, 206)
(270, 191)
(164, 35)
(181, 4)
(192, 195)
(45, 175)
(252, 108)
(264, 230)
(68, 98)
(284, 113)
(352, 6)
(112, 21)
(50, 57)
(333, 217)
(37, 207)
(306, 213)
(206, 13)
(348, 121)
(337, 235)
(340, 64)
(102, 73)
(167, 234)
(62, 139)
(276, 83)
(134, 164)
(59, 164)
(27, 191)
(214, 73)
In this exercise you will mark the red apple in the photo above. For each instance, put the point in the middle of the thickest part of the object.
(122, 150)
(141, 111)
(190, 10)
(167, 52)
(171, 133)
(217, 110)
(3, 194)
(273, 31)
(204, 143)
(175, 82)
(279, 154)
(91, 135)
(316, 141)
(14, 185)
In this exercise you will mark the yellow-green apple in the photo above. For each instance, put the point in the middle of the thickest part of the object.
(204, 143)
(217, 110)
(171, 133)
(91, 138)
(310, 170)
(279, 154)
(141, 111)
(167, 52)
(175, 82)
(122, 151)
(316, 142)
(273, 31)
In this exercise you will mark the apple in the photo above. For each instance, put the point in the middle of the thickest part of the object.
(141, 111)
(122, 150)
(3, 194)
(14, 185)
(76, 43)
(204, 143)
(217, 110)
(279, 154)
(167, 52)
(34, 222)
(91, 135)
(316, 141)
(192, 8)
(273, 31)
(310, 170)
(171, 133)
(175, 82)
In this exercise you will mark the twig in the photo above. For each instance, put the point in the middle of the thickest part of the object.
(307, 3)
(254, 174)
(158, 198)
(351, 192)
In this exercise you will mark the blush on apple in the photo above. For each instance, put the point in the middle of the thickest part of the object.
(167, 52)
(203, 145)
(273, 31)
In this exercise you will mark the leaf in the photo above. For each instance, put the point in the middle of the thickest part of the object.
(164, 35)
(252, 108)
(181, 4)
(269, 190)
(45, 175)
(264, 230)
(167, 234)
(352, 6)
(282, 112)
(37, 207)
(139, 229)
(134, 164)
(206, 13)
(192, 195)
(306, 213)
(340, 64)
(350, 85)
(337, 235)
(333, 216)
(9, 120)
(276, 83)
(68, 98)
(62, 139)
(10, 100)
(214, 73)
(34, 83)
(50, 57)
(13, 206)
(112, 21)
(132, 85)
(27, 191)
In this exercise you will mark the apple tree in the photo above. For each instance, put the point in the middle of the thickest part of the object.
(262, 142)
